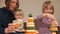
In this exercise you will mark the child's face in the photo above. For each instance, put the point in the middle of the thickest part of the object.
(48, 9)
(18, 15)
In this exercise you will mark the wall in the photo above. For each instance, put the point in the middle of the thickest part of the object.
(35, 7)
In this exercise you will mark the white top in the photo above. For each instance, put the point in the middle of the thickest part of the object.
(19, 21)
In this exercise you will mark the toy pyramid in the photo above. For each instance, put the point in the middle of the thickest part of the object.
(53, 28)
(30, 25)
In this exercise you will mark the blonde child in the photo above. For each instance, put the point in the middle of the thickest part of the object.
(46, 18)
(18, 22)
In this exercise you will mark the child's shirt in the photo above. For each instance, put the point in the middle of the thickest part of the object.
(18, 24)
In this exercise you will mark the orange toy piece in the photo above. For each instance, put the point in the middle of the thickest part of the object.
(17, 25)
(30, 33)
(30, 20)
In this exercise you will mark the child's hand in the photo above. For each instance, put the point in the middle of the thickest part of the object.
(55, 23)
(50, 16)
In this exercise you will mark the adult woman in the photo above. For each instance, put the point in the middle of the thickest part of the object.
(6, 16)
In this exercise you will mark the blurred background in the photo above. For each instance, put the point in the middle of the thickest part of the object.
(35, 7)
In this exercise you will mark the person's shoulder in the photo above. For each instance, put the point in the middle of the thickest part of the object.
(2, 8)
(14, 21)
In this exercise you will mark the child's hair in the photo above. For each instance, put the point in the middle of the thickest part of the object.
(18, 10)
(45, 5)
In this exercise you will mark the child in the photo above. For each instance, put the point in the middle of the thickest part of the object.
(46, 18)
(18, 22)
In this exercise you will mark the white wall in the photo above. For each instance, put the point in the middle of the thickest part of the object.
(35, 7)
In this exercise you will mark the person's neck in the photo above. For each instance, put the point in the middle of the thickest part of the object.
(8, 9)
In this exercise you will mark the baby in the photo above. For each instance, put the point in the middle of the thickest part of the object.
(18, 22)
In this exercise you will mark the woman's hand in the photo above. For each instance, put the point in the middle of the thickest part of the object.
(10, 28)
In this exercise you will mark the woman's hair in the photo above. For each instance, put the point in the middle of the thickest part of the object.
(46, 4)
(18, 10)
(7, 3)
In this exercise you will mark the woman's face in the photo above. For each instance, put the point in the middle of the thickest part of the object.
(13, 4)
(48, 9)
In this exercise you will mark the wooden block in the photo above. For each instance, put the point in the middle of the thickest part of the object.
(53, 32)
(30, 33)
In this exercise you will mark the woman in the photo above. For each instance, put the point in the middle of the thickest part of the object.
(6, 16)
